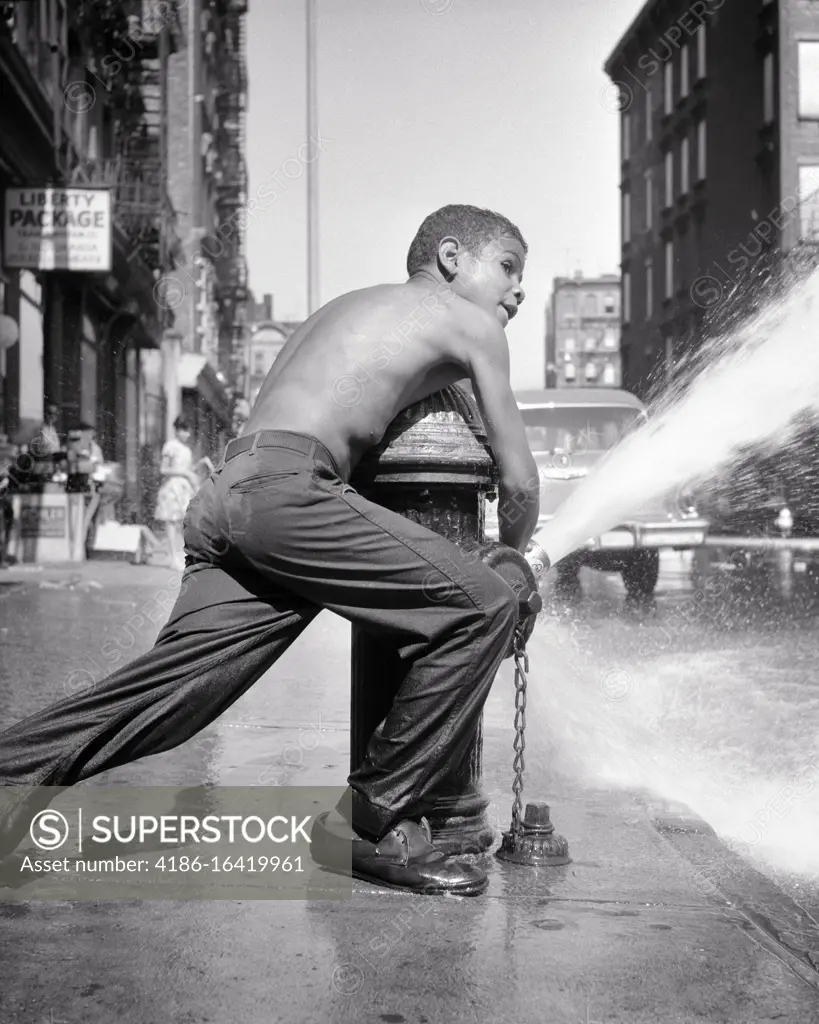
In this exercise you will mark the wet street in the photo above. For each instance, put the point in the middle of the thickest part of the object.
(705, 699)
(708, 694)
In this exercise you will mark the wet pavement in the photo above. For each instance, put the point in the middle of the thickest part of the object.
(635, 716)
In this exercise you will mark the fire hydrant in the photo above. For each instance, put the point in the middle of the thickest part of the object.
(434, 466)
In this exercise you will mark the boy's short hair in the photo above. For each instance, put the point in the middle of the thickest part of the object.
(472, 226)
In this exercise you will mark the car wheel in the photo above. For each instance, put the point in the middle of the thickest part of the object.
(641, 572)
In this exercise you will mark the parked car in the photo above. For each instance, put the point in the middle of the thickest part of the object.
(570, 430)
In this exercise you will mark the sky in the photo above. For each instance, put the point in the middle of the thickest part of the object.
(497, 103)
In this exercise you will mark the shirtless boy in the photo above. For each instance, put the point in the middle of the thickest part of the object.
(276, 534)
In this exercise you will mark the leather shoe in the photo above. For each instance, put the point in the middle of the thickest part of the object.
(405, 858)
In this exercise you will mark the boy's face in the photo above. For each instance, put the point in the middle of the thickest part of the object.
(492, 279)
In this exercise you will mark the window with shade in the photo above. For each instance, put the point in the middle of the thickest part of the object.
(768, 89)
(701, 45)
(669, 270)
(809, 80)
(684, 83)
(809, 202)
(649, 177)
(685, 156)
(649, 289)
(702, 152)
(669, 178)
(627, 297)
(668, 87)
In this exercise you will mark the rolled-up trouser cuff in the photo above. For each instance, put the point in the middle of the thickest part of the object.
(369, 819)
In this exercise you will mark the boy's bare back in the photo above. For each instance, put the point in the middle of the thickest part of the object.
(348, 371)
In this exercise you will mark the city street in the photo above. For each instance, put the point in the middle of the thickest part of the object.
(635, 719)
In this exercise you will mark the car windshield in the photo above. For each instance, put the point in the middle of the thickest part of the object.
(578, 429)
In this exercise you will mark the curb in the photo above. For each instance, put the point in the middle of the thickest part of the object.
(773, 919)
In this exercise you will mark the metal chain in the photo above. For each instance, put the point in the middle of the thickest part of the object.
(521, 669)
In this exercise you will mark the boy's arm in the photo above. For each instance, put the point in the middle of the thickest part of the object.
(487, 361)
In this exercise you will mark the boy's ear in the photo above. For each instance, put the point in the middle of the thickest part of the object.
(449, 255)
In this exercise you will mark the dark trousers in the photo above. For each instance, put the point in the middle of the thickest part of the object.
(271, 538)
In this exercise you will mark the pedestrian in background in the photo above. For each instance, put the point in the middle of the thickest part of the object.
(7, 453)
(179, 484)
(47, 440)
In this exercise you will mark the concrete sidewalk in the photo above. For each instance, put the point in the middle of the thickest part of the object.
(651, 924)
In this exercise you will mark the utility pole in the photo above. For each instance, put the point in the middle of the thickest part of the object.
(312, 163)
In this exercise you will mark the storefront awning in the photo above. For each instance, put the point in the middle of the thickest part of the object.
(195, 373)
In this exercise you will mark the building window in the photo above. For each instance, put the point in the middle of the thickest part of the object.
(590, 305)
(649, 113)
(591, 344)
(570, 371)
(609, 338)
(258, 362)
(568, 345)
(684, 86)
(609, 303)
(626, 216)
(768, 89)
(669, 270)
(625, 141)
(701, 44)
(702, 151)
(668, 86)
(627, 297)
(684, 165)
(809, 202)
(567, 305)
(609, 374)
(591, 371)
(649, 200)
(809, 80)
(649, 289)
(669, 178)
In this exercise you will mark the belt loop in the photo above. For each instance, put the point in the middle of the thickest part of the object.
(256, 437)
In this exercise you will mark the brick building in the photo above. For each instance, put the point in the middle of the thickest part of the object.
(583, 332)
(264, 339)
(207, 184)
(719, 108)
(74, 116)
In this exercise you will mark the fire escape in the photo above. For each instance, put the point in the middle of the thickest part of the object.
(135, 166)
(231, 183)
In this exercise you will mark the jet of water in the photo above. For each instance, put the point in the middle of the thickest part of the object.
(745, 388)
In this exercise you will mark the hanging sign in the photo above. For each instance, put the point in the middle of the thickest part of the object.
(58, 229)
